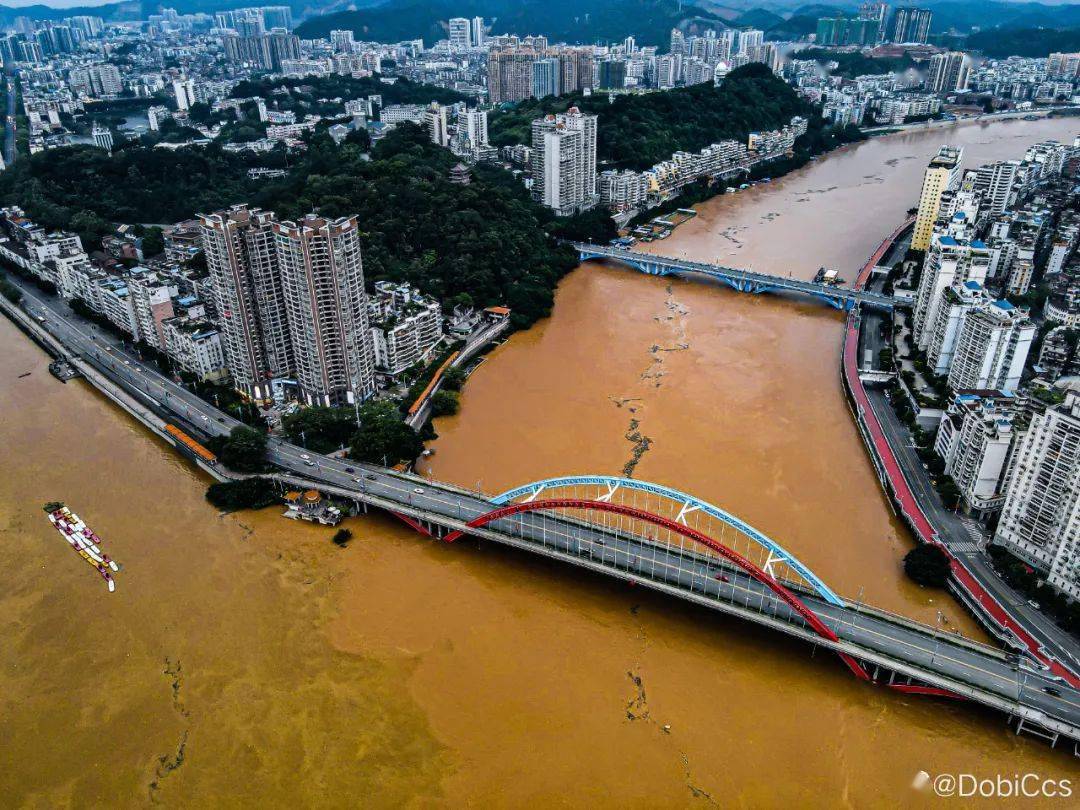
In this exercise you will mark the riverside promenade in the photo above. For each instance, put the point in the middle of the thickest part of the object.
(986, 606)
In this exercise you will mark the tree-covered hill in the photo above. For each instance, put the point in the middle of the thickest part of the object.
(640, 130)
(1000, 42)
(486, 240)
(650, 21)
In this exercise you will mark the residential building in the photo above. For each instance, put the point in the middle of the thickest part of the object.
(996, 181)
(564, 161)
(195, 346)
(948, 72)
(911, 25)
(248, 297)
(943, 174)
(974, 440)
(405, 327)
(992, 348)
(545, 77)
(151, 302)
(460, 33)
(951, 259)
(1040, 521)
(510, 75)
(322, 279)
(956, 302)
(435, 124)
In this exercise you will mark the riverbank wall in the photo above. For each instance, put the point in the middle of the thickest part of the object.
(963, 584)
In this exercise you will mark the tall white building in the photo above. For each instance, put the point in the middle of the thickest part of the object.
(943, 174)
(992, 348)
(184, 91)
(948, 72)
(322, 279)
(974, 441)
(956, 302)
(996, 181)
(242, 260)
(750, 41)
(1040, 521)
(564, 162)
(477, 33)
(460, 33)
(951, 259)
(435, 123)
(476, 128)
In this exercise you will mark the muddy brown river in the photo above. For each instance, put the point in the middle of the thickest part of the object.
(246, 661)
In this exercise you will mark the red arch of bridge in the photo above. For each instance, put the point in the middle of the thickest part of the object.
(759, 574)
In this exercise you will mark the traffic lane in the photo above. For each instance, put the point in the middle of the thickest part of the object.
(420, 498)
(951, 532)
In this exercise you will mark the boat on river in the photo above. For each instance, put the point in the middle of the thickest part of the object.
(83, 541)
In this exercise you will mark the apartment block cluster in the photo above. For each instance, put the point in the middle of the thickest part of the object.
(280, 311)
(628, 190)
(1010, 436)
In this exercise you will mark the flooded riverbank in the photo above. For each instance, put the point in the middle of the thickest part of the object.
(244, 659)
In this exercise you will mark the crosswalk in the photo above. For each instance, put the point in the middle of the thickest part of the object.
(964, 548)
(974, 531)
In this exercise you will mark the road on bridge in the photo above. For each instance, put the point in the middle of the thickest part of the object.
(936, 658)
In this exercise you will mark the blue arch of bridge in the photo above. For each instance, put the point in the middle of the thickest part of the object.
(779, 552)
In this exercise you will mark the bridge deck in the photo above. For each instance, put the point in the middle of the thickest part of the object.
(740, 279)
(979, 672)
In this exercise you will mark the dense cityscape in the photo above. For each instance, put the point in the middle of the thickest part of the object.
(286, 249)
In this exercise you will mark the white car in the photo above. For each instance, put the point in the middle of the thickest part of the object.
(305, 456)
(418, 491)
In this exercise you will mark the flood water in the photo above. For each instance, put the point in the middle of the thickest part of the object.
(244, 659)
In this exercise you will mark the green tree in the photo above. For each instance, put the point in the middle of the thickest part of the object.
(342, 537)
(153, 242)
(383, 437)
(444, 403)
(250, 493)
(927, 565)
(244, 450)
(320, 428)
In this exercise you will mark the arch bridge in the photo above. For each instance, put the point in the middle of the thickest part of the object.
(654, 536)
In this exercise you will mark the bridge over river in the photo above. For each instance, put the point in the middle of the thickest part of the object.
(738, 279)
(646, 534)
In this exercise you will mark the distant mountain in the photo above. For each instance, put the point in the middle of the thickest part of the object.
(965, 15)
(758, 18)
(128, 10)
(1000, 42)
(650, 21)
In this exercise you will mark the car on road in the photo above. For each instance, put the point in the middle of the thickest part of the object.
(1052, 691)
(305, 456)
(418, 491)
(349, 470)
(309, 463)
(359, 480)
(1034, 604)
(722, 578)
(370, 477)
